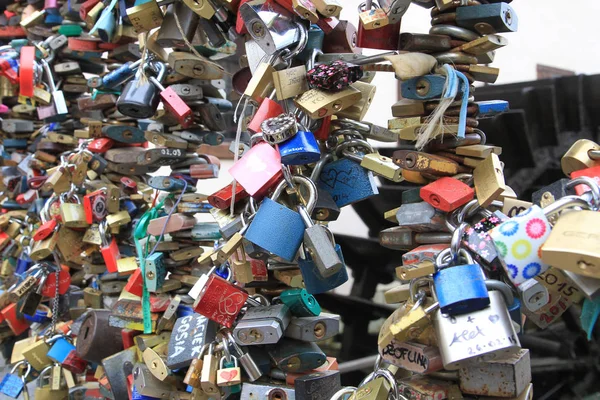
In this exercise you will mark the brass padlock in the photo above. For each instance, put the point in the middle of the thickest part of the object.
(72, 214)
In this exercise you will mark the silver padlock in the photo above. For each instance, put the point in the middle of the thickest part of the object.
(148, 385)
(533, 294)
(262, 325)
(481, 335)
(312, 329)
(504, 377)
(271, 25)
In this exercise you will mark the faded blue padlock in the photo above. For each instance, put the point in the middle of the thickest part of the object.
(300, 149)
(491, 108)
(426, 87)
(275, 227)
(119, 76)
(460, 289)
(53, 19)
(314, 282)
(156, 271)
(347, 182)
(12, 385)
(60, 349)
(124, 133)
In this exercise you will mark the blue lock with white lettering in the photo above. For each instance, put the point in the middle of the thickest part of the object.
(300, 149)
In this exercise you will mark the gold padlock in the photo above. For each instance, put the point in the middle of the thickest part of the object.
(145, 16)
(73, 214)
(488, 179)
(578, 156)
(319, 104)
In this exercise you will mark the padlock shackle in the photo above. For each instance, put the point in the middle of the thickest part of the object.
(564, 203)
(509, 297)
(590, 183)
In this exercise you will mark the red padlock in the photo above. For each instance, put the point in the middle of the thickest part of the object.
(240, 27)
(447, 194)
(593, 172)
(101, 145)
(258, 170)
(94, 205)
(109, 250)
(135, 283)
(327, 25)
(204, 171)
(323, 132)
(16, 324)
(129, 185)
(268, 108)
(64, 281)
(74, 363)
(384, 38)
(45, 230)
(222, 198)
(220, 301)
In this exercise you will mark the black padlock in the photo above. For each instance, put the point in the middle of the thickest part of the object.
(140, 99)
(169, 34)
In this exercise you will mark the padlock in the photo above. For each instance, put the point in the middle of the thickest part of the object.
(570, 244)
(73, 214)
(309, 386)
(292, 355)
(533, 294)
(220, 301)
(520, 239)
(190, 334)
(271, 25)
(488, 18)
(420, 217)
(373, 18)
(60, 348)
(300, 303)
(285, 242)
(468, 296)
(262, 325)
(208, 378)
(301, 149)
(230, 375)
(171, 100)
(313, 329)
(139, 99)
(515, 372)
(314, 282)
(169, 34)
(155, 271)
(384, 38)
(347, 182)
(109, 249)
(447, 194)
(12, 384)
(491, 333)
(148, 385)
(258, 170)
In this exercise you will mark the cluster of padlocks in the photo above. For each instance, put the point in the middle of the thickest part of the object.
(113, 289)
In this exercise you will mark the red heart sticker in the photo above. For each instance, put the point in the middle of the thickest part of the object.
(229, 375)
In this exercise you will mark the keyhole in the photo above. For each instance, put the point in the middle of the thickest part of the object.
(422, 87)
(85, 334)
(410, 160)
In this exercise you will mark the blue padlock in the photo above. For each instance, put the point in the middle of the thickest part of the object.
(23, 262)
(491, 108)
(135, 395)
(460, 289)
(284, 237)
(314, 282)
(515, 313)
(130, 206)
(414, 89)
(60, 349)
(122, 133)
(300, 149)
(347, 182)
(156, 271)
(12, 385)
(53, 19)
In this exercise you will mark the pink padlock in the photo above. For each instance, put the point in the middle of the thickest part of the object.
(258, 170)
